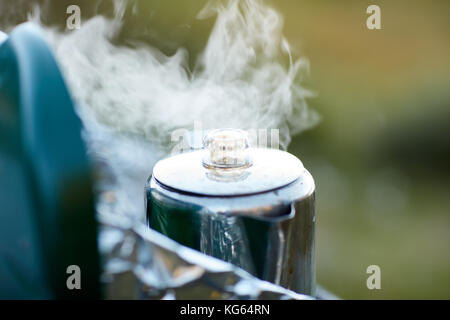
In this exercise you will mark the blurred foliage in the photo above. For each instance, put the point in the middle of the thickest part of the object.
(381, 155)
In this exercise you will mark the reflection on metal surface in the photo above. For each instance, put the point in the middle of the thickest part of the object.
(270, 169)
(140, 263)
(226, 175)
(225, 237)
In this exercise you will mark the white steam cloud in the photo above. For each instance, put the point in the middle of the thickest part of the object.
(131, 99)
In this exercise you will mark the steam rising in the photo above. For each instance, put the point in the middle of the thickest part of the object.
(131, 99)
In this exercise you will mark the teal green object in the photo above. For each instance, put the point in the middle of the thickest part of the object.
(47, 212)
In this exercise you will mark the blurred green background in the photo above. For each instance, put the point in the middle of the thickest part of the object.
(380, 155)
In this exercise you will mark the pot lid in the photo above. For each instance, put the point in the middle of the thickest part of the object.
(227, 166)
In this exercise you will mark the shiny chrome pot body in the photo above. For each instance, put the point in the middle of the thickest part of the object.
(254, 208)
